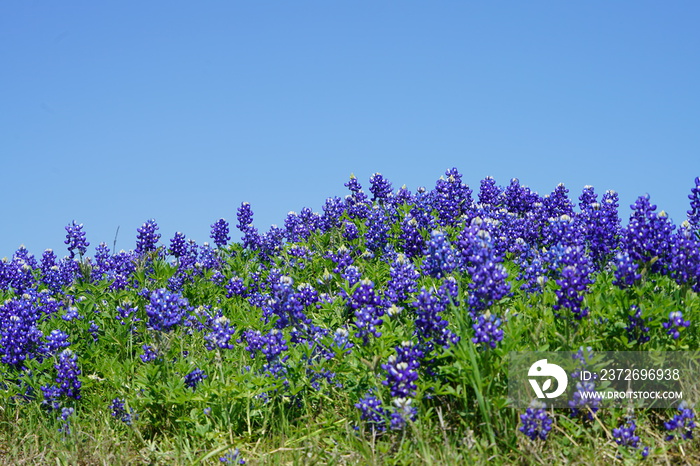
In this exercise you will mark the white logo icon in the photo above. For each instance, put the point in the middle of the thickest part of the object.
(543, 369)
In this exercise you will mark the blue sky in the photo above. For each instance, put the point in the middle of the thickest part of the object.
(111, 114)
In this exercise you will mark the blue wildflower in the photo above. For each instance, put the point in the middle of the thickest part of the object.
(675, 324)
(536, 423)
(147, 237)
(682, 424)
(75, 239)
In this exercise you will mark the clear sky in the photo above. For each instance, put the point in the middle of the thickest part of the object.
(112, 113)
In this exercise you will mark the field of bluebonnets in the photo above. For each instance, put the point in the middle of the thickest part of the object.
(374, 332)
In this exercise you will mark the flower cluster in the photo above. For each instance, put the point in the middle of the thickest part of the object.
(194, 378)
(573, 281)
(440, 258)
(487, 331)
(536, 423)
(271, 345)
(675, 324)
(232, 457)
(625, 270)
(219, 233)
(682, 424)
(488, 275)
(147, 237)
(75, 239)
(430, 327)
(694, 212)
(119, 411)
(166, 310)
(402, 370)
(637, 328)
(368, 310)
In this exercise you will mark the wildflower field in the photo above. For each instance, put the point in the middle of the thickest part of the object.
(374, 332)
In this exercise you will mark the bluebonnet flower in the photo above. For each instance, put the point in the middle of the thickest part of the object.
(440, 258)
(402, 370)
(625, 435)
(103, 262)
(451, 198)
(599, 224)
(178, 246)
(166, 310)
(684, 257)
(411, 238)
(50, 275)
(557, 203)
(218, 278)
(380, 188)
(65, 415)
(19, 273)
(194, 378)
(402, 281)
(67, 374)
(149, 354)
(372, 412)
(561, 231)
(232, 457)
(271, 345)
(487, 331)
(377, 234)
(271, 243)
(56, 340)
(120, 412)
(536, 423)
(637, 329)
(350, 231)
(51, 396)
(341, 340)
(75, 239)
(123, 267)
(236, 287)
(675, 324)
(295, 228)
(694, 212)
(285, 303)
(357, 204)
(488, 283)
(221, 332)
(402, 414)
(584, 401)
(534, 270)
(368, 310)
(430, 327)
(402, 196)
(71, 314)
(342, 258)
(333, 210)
(648, 235)
(352, 274)
(573, 281)
(519, 199)
(683, 424)
(219, 233)
(586, 404)
(625, 270)
(20, 339)
(207, 258)
(147, 237)
(126, 313)
(251, 237)
(490, 194)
